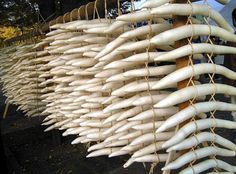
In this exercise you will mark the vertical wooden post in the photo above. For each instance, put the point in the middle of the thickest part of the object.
(5, 110)
(179, 21)
(182, 62)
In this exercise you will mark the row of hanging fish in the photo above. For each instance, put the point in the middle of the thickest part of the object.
(114, 85)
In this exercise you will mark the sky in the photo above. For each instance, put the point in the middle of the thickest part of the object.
(217, 6)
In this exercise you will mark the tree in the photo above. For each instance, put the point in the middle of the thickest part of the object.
(9, 32)
(17, 13)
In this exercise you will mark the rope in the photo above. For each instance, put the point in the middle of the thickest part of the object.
(118, 6)
(149, 35)
(105, 7)
(211, 76)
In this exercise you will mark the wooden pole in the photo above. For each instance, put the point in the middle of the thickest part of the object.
(5, 110)
(182, 62)
(179, 21)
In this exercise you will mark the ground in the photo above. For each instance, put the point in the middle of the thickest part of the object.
(32, 151)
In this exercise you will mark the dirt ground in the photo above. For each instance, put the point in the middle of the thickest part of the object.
(31, 151)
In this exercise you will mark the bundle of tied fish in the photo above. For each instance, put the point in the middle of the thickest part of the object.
(114, 86)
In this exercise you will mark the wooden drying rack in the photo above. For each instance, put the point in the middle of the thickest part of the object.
(180, 63)
(83, 12)
(87, 12)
